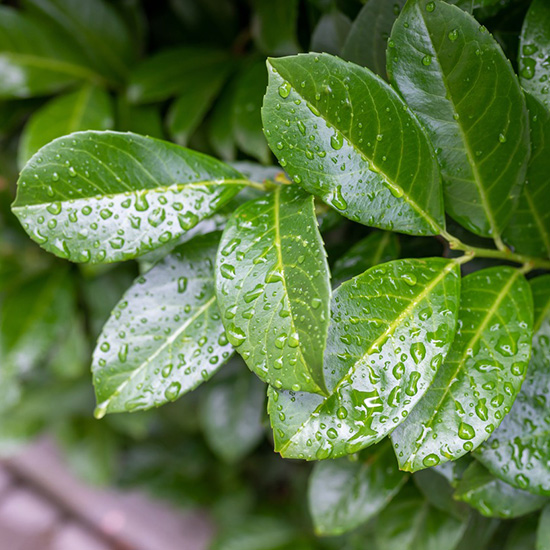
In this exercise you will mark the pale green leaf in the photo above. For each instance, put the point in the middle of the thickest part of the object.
(543, 531)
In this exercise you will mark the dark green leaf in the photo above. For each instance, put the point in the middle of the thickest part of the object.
(345, 493)
(89, 108)
(231, 415)
(35, 60)
(330, 33)
(97, 30)
(534, 51)
(220, 125)
(273, 286)
(482, 374)
(165, 336)
(529, 228)
(391, 329)
(381, 173)
(494, 498)
(378, 248)
(166, 74)
(456, 78)
(108, 196)
(410, 523)
(543, 531)
(274, 26)
(519, 451)
(247, 103)
(367, 41)
(522, 536)
(140, 119)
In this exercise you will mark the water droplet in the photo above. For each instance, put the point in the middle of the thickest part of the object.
(235, 335)
(337, 141)
(284, 90)
(465, 431)
(431, 460)
(427, 60)
(453, 35)
(172, 391)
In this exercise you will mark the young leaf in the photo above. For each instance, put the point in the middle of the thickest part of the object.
(390, 330)
(411, 523)
(367, 41)
(456, 78)
(382, 172)
(231, 415)
(38, 60)
(529, 228)
(483, 373)
(378, 248)
(274, 26)
(494, 498)
(344, 493)
(543, 531)
(273, 286)
(109, 196)
(534, 50)
(89, 108)
(519, 451)
(165, 336)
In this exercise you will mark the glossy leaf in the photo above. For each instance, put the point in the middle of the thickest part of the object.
(345, 493)
(108, 196)
(378, 248)
(529, 228)
(391, 328)
(367, 41)
(534, 51)
(382, 173)
(165, 336)
(481, 376)
(410, 523)
(167, 73)
(519, 451)
(274, 26)
(89, 108)
(273, 287)
(455, 77)
(330, 33)
(35, 59)
(231, 415)
(247, 102)
(494, 498)
(543, 531)
(97, 30)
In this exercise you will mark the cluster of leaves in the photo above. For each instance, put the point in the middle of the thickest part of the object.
(395, 356)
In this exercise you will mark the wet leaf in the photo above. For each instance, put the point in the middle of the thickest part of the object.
(105, 196)
(273, 287)
(519, 451)
(368, 39)
(165, 336)
(382, 173)
(378, 248)
(529, 228)
(89, 108)
(391, 328)
(534, 51)
(345, 493)
(455, 77)
(494, 498)
(481, 377)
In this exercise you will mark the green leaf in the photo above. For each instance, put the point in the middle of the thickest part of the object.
(344, 493)
(247, 103)
(377, 248)
(383, 173)
(165, 337)
(35, 59)
(273, 287)
(95, 27)
(274, 26)
(529, 228)
(330, 33)
(519, 451)
(231, 415)
(455, 77)
(543, 531)
(167, 73)
(391, 328)
(140, 119)
(483, 372)
(534, 50)
(220, 124)
(411, 523)
(522, 536)
(89, 108)
(109, 196)
(494, 498)
(367, 41)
